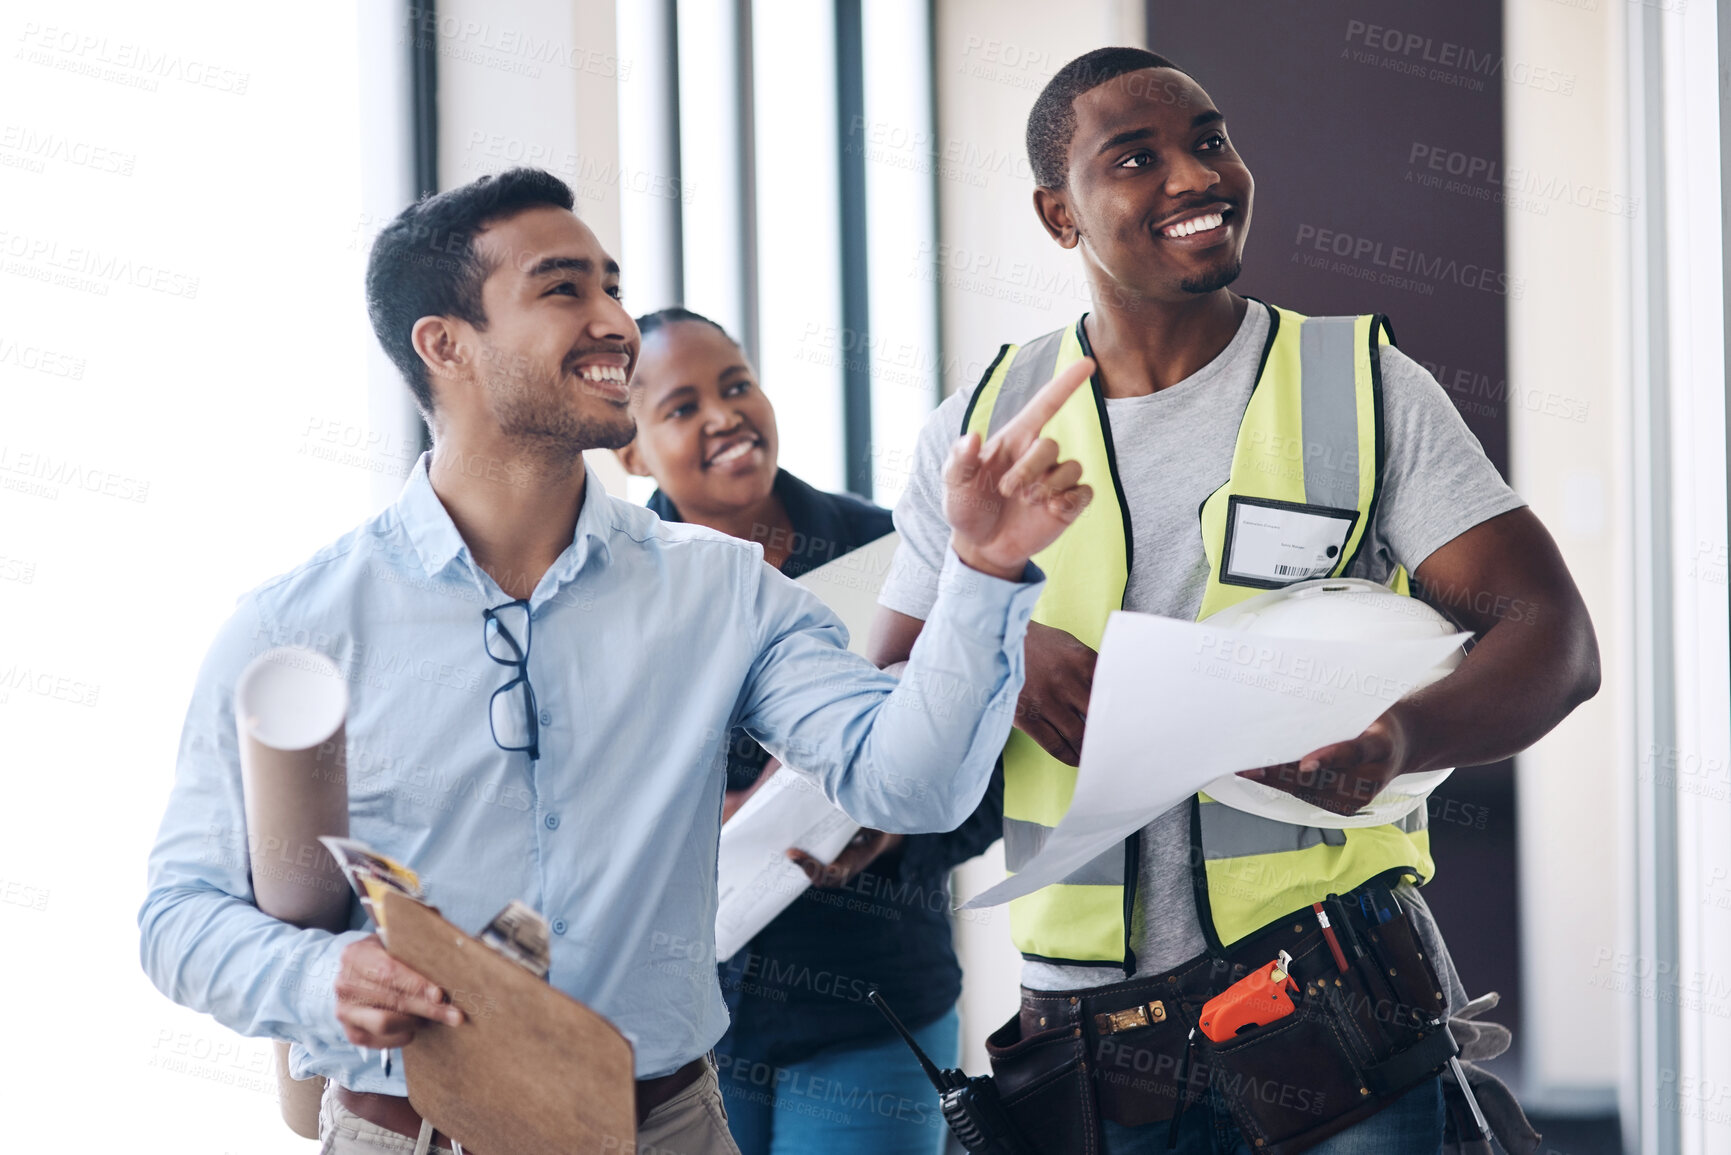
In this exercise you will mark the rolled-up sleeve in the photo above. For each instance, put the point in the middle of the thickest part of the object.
(912, 755)
(202, 941)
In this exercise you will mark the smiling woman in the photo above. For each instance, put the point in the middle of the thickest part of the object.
(707, 434)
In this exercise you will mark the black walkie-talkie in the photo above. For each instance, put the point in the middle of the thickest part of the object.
(970, 1105)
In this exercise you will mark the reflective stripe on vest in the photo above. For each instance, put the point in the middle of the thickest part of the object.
(1310, 436)
(1229, 833)
(1260, 870)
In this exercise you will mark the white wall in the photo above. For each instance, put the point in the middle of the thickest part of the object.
(528, 82)
(1568, 209)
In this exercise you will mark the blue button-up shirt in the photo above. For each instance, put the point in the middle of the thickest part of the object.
(651, 641)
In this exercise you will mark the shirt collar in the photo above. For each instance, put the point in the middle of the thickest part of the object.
(594, 531)
(437, 543)
(430, 528)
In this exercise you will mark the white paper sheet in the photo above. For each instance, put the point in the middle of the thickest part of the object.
(849, 585)
(756, 879)
(1177, 704)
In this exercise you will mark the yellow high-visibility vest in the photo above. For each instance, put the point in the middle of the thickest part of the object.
(1310, 440)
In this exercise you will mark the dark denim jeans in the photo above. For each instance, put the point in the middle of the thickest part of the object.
(1412, 1125)
(868, 1100)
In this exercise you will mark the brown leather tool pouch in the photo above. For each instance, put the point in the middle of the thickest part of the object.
(1355, 1042)
(1291, 1083)
(1137, 1066)
(1411, 978)
(1043, 1083)
(1138, 1039)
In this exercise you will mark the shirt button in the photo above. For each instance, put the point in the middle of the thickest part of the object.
(546, 717)
(558, 926)
(552, 822)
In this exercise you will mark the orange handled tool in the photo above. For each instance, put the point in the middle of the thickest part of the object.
(1259, 998)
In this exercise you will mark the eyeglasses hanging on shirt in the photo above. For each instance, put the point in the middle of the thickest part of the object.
(511, 710)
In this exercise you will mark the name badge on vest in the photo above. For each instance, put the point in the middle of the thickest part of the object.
(1270, 544)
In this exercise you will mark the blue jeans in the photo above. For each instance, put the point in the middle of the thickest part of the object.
(1411, 1125)
(870, 1100)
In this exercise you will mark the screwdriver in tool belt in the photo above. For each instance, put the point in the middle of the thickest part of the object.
(1471, 1099)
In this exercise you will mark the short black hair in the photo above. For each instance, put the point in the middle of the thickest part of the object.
(423, 264)
(1052, 121)
(649, 322)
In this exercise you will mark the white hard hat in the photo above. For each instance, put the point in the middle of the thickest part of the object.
(1345, 610)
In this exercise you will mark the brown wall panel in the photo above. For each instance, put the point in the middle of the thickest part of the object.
(1374, 131)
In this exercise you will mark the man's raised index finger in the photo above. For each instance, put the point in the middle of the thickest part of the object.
(1046, 403)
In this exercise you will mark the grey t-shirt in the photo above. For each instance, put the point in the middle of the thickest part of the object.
(1174, 448)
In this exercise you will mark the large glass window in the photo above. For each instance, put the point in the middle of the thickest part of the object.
(799, 232)
(184, 410)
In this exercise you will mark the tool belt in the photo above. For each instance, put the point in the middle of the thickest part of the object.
(1135, 1053)
(1072, 1058)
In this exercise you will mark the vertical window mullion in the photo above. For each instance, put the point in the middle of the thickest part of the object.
(856, 375)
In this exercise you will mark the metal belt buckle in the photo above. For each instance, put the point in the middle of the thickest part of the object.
(1131, 1018)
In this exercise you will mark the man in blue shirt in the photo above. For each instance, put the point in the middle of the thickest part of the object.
(592, 788)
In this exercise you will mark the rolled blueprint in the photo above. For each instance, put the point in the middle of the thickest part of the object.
(289, 707)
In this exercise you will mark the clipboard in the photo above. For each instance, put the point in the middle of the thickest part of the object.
(531, 1071)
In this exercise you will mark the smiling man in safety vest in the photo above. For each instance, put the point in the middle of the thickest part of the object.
(1208, 407)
